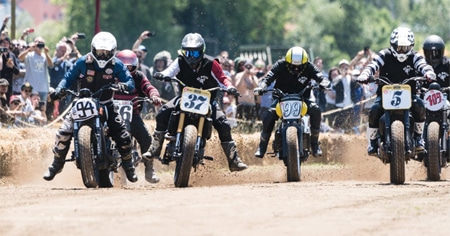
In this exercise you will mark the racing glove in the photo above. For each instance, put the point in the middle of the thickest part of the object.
(122, 87)
(232, 90)
(363, 78)
(430, 76)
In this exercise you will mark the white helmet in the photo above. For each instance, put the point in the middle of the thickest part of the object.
(402, 43)
(103, 47)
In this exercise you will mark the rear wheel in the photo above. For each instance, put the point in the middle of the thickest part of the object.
(397, 159)
(184, 163)
(292, 155)
(433, 167)
(86, 160)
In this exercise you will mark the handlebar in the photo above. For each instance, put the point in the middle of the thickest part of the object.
(174, 79)
(385, 80)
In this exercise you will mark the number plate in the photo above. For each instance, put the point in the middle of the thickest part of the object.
(83, 109)
(195, 100)
(125, 109)
(396, 97)
(434, 100)
(291, 109)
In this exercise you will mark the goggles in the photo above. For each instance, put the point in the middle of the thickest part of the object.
(102, 52)
(192, 53)
(403, 49)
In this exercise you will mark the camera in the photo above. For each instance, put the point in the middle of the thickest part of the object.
(248, 66)
(40, 45)
(81, 35)
(151, 34)
(3, 49)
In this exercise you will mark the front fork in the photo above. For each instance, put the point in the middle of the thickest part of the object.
(407, 133)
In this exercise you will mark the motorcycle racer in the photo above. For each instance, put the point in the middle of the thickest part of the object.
(143, 89)
(196, 70)
(397, 63)
(292, 74)
(94, 70)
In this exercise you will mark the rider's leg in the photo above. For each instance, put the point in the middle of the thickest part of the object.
(61, 148)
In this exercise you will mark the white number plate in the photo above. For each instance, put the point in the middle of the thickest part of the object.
(125, 109)
(195, 100)
(291, 109)
(83, 109)
(434, 100)
(396, 97)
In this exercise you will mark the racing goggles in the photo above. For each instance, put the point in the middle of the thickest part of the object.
(403, 49)
(192, 53)
(102, 52)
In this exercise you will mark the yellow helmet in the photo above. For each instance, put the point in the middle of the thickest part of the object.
(296, 58)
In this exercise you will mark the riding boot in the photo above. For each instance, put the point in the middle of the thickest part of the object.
(150, 175)
(55, 168)
(155, 149)
(372, 149)
(263, 142)
(315, 144)
(234, 162)
(59, 159)
(128, 167)
(418, 131)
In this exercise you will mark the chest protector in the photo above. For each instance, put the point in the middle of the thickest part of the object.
(201, 78)
(95, 79)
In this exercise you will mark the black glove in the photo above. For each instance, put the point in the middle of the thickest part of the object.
(122, 87)
(233, 91)
(59, 93)
(158, 76)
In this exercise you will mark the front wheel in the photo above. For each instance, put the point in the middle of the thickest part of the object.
(87, 168)
(292, 155)
(434, 152)
(184, 162)
(397, 159)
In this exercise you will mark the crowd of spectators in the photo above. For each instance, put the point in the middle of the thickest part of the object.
(29, 72)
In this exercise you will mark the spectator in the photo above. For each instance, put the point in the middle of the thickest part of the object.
(61, 65)
(362, 58)
(245, 82)
(330, 96)
(345, 96)
(18, 46)
(319, 94)
(37, 61)
(20, 105)
(72, 50)
(9, 65)
(358, 93)
(5, 118)
(37, 117)
(161, 61)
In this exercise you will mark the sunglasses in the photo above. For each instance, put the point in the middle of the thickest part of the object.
(27, 91)
(192, 53)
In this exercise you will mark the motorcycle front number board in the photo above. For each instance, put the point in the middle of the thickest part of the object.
(195, 100)
(396, 97)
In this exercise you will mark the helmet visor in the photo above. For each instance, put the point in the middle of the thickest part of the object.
(192, 53)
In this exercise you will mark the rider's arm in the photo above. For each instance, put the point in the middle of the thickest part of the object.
(217, 72)
(173, 69)
(147, 88)
(420, 64)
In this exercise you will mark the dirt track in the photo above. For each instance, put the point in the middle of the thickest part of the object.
(343, 193)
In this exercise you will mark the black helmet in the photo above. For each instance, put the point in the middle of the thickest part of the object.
(434, 86)
(193, 48)
(433, 49)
